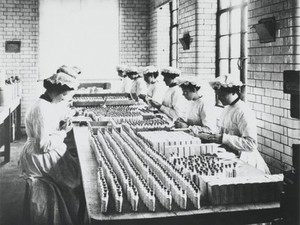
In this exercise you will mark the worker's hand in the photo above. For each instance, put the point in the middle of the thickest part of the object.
(143, 97)
(66, 125)
(180, 123)
(216, 138)
(155, 104)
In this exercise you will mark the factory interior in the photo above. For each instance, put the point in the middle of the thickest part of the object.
(125, 154)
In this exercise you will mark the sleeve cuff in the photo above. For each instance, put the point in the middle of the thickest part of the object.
(62, 134)
(225, 139)
(162, 108)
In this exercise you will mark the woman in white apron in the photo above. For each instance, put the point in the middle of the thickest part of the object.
(237, 128)
(174, 104)
(138, 89)
(53, 192)
(200, 114)
(156, 88)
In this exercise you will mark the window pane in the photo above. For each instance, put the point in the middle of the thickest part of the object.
(174, 4)
(245, 47)
(174, 35)
(174, 51)
(224, 4)
(224, 47)
(174, 63)
(223, 66)
(234, 69)
(224, 28)
(245, 21)
(236, 2)
(174, 17)
(235, 50)
(235, 20)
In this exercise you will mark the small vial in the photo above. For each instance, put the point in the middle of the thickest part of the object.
(234, 171)
(135, 201)
(197, 198)
(119, 201)
(168, 201)
(183, 202)
(104, 201)
(152, 202)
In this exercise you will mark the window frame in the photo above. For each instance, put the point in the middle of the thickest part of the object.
(242, 58)
(173, 59)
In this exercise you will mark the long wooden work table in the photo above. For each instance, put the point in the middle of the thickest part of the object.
(210, 215)
(10, 126)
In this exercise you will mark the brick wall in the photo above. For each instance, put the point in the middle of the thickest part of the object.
(19, 21)
(153, 34)
(134, 32)
(277, 131)
(198, 18)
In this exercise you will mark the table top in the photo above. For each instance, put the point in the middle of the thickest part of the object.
(89, 166)
(5, 110)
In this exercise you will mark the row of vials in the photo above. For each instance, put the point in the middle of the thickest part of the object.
(177, 142)
(144, 163)
(147, 181)
(108, 176)
(198, 165)
(240, 190)
(121, 173)
(171, 177)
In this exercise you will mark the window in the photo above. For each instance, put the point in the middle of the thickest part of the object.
(77, 33)
(174, 33)
(232, 38)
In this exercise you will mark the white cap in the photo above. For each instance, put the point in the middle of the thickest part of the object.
(121, 67)
(67, 77)
(190, 81)
(150, 69)
(226, 81)
(170, 71)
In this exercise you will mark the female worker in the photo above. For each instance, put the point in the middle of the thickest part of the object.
(138, 88)
(200, 114)
(156, 88)
(174, 104)
(237, 123)
(53, 192)
(126, 81)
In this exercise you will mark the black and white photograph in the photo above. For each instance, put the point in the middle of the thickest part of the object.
(149, 112)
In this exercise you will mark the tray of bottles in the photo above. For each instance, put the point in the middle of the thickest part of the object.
(102, 99)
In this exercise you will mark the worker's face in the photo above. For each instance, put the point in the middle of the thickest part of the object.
(65, 96)
(187, 93)
(223, 96)
(120, 73)
(168, 80)
(132, 76)
(148, 79)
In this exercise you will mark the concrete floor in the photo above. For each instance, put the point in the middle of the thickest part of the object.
(12, 187)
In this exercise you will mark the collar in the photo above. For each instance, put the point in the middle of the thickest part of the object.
(46, 97)
(172, 85)
(199, 97)
(235, 101)
(153, 82)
